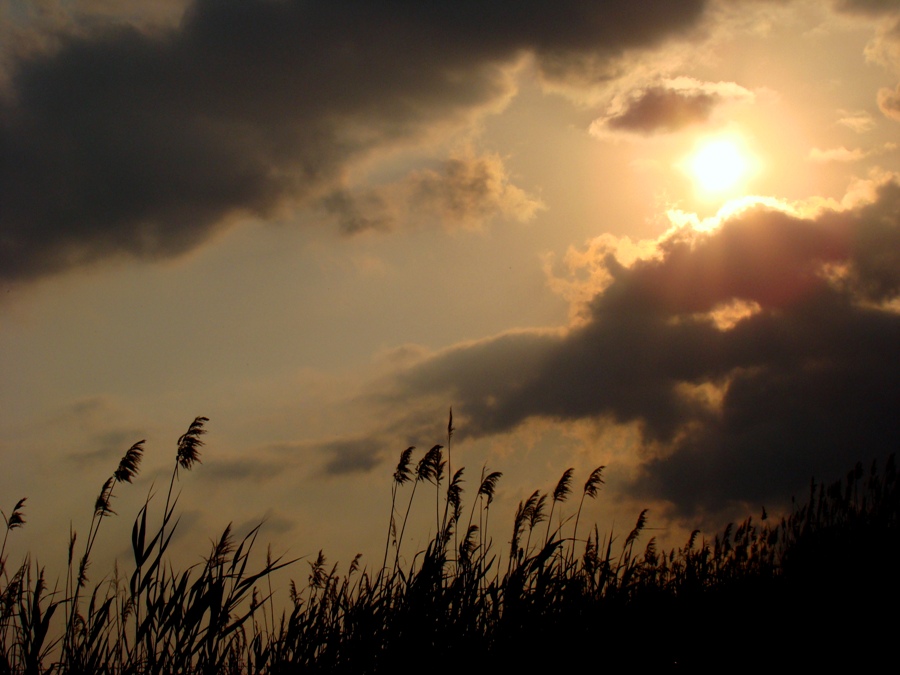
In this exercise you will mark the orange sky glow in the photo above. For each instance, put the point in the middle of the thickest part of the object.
(663, 241)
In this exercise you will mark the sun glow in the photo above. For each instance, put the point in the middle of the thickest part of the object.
(718, 165)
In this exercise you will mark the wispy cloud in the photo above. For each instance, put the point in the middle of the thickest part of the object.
(842, 154)
(859, 121)
(889, 102)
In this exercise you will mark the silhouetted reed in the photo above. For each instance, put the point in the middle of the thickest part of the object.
(456, 605)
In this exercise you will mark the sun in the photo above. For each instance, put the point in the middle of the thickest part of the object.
(718, 165)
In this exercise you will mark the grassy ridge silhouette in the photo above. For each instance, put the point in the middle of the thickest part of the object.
(818, 579)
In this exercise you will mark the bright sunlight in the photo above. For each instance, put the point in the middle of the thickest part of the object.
(717, 165)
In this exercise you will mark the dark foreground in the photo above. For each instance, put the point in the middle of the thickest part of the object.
(819, 587)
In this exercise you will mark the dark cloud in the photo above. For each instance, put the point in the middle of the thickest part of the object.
(127, 141)
(804, 382)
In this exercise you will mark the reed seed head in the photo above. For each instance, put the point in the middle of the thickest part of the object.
(221, 549)
(101, 506)
(16, 519)
(401, 475)
(564, 486)
(594, 481)
(431, 466)
(489, 485)
(638, 527)
(128, 465)
(190, 443)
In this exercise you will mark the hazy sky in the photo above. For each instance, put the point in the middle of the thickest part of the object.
(660, 236)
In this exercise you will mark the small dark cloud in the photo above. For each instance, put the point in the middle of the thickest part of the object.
(659, 109)
(122, 141)
(667, 107)
(803, 382)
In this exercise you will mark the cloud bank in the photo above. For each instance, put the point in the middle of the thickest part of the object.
(122, 140)
(751, 356)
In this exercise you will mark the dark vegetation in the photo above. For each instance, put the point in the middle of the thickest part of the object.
(818, 586)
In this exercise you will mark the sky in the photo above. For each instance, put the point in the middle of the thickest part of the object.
(660, 237)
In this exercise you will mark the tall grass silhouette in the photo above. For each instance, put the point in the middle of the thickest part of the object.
(461, 602)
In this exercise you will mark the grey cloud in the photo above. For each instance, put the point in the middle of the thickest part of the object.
(470, 191)
(272, 523)
(464, 191)
(343, 455)
(357, 212)
(108, 446)
(350, 455)
(867, 7)
(240, 469)
(125, 141)
(808, 383)
(102, 431)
